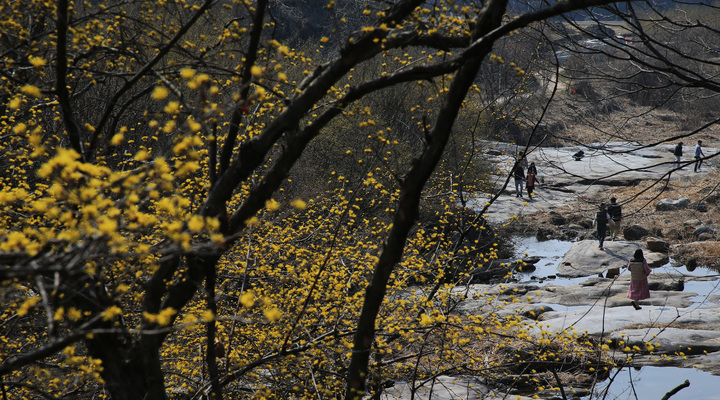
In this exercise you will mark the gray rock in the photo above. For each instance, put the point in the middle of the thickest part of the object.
(657, 245)
(557, 219)
(585, 259)
(713, 198)
(671, 286)
(703, 229)
(543, 234)
(671, 205)
(531, 260)
(692, 222)
(634, 232)
(674, 234)
(612, 273)
(669, 340)
(698, 206)
(705, 236)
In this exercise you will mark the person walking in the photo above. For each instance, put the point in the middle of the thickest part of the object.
(519, 175)
(532, 169)
(698, 155)
(678, 154)
(639, 271)
(530, 183)
(615, 212)
(601, 222)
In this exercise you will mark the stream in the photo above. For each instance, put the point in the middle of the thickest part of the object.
(647, 382)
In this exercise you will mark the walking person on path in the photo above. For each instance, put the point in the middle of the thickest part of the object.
(601, 222)
(698, 156)
(678, 154)
(530, 184)
(615, 212)
(519, 175)
(532, 169)
(639, 271)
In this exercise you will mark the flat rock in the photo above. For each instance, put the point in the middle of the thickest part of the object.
(600, 321)
(670, 340)
(585, 259)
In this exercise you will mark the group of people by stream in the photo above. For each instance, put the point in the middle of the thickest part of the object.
(607, 221)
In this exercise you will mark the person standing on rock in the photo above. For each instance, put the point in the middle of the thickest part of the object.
(519, 175)
(615, 212)
(698, 156)
(601, 222)
(678, 153)
(639, 271)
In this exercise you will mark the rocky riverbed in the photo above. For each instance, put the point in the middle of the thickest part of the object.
(585, 289)
(579, 289)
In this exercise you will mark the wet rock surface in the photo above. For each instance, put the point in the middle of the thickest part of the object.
(679, 325)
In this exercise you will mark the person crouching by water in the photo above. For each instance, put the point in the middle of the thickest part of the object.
(639, 271)
(601, 222)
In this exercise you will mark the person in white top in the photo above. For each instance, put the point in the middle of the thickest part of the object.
(698, 156)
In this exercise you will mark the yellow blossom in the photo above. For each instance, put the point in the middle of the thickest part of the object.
(160, 93)
(117, 139)
(172, 107)
(272, 205)
(187, 73)
(19, 129)
(37, 62)
(111, 312)
(196, 223)
(247, 299)
(74, 314)
(300, 204)
(31, 90)
(165, 316)
(27, 305)
(15, 103)
(272, 314)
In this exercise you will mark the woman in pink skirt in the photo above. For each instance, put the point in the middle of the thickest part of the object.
(639, 272)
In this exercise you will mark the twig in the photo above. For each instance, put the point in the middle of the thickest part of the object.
(677, 389)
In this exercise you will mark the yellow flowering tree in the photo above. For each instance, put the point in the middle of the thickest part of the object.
(152, 242)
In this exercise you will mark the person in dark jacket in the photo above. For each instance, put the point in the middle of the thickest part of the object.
(532, 169)
(678, 154)
(601, 222)
(519, 175)
(615, 212)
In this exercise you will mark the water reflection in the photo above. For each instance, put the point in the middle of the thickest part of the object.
(654, 382)
(647, 382)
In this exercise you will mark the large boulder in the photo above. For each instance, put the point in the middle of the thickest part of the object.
(557, 219)
(671, 205)
(634, 232)
(657, 245)
(703, 229)
(585, 259)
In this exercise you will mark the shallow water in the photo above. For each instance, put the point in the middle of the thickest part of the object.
(649, 383)
(652, 383)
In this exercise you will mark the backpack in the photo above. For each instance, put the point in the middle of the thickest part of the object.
(678, 150)
(601, 218)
